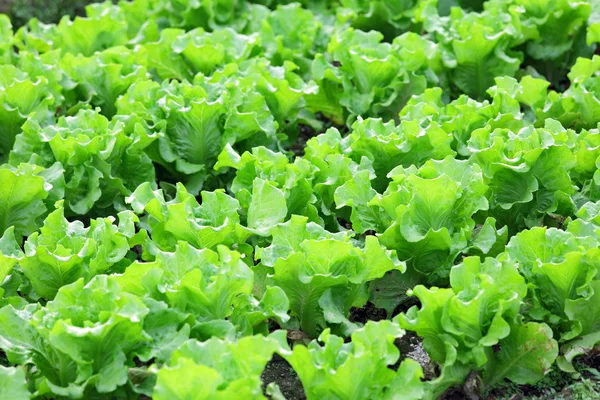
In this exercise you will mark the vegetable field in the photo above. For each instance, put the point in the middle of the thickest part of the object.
(330, 199)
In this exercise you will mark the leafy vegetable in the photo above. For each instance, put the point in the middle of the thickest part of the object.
(360, 75)
(216, 221)
(104, 160)
(220, 365)
(20, 96)
(460, 325)
(194, 194)
(429, 214)
(62, 251)
(562, 268)
(13, 384)
(324, 278)
(25, 192)
(358, 369)
(63, 339)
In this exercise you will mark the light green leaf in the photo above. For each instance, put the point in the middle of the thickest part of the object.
(13, 384)
(267, 207)
(524, 356)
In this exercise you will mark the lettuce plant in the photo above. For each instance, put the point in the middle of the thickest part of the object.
(222, 366)
(330, 368)
(292, 33)
(522, 170)
(62, 339)
(62, 251)
(189, 188)
(389, 146)
(214, 222)
(562, 268)
(323, 278)
(98, 31)
(361, 75)
(241, 104)
(20, 97)
(461, 325)
(104, 160)
(389, 17)
(430, 238)
(100, 79)
(269, 187)
(476, 47)
(10, 254)
(213, 287)
(27, 193)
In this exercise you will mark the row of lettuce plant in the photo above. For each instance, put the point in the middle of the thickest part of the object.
(158, 239)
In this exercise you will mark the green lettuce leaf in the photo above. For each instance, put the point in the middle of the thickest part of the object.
(360, 75)
(287, 239)
(13, 384)
(62, 251)
(293, 33)
(208, 15)
(525, 356)
(334, 169)
(20, 97)
(329, 264)
(102, 78)
(104, 160)
(358, 368)
(205, 52)
(25, 192)
(88, 35)
(522, 170)
(269, 187)
(562, 271)
(477, 47)
(214, 222)
(460, 325)
(211, 286)
(226, 368)
(389, 17)
(10, 254)
(389, 146)
(552, 42)
(80, 341)
(431, 211)
(6, 30)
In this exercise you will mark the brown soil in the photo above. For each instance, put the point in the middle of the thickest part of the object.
(368, 312)
(305, 133)
(3, 359)
(280, 371)
(5, 5)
